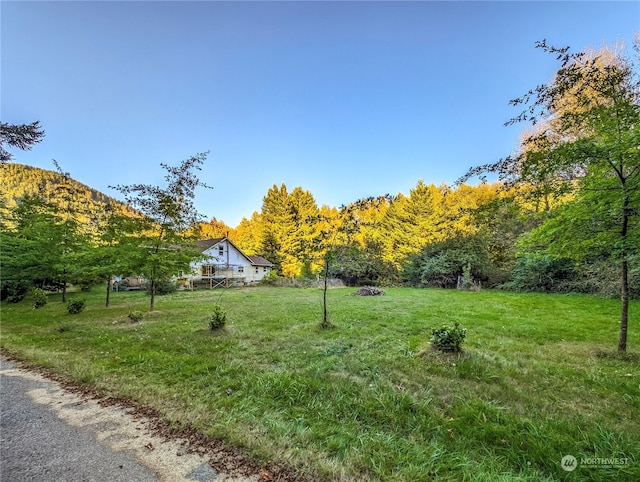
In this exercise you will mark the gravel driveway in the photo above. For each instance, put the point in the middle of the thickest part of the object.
(50, 434)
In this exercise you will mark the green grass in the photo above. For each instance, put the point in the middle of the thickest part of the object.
(539, 377)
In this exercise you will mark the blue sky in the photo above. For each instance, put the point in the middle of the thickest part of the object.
(345, 99)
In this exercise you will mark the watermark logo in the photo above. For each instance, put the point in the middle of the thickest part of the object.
(603, 463)
(569, 463)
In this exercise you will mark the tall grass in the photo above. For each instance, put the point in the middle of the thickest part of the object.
(538, 379)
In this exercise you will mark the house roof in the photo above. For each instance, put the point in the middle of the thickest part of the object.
(207, 243)
(259, 261)
(255, 260)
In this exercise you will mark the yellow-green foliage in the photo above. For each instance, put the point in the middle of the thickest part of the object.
(19, 180)
(291, 230)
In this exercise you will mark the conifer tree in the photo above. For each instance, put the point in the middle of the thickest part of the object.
(412, 222)
(248, 235)
(20, 136)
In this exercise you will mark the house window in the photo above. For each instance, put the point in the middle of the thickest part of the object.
(240, 269)
(221, 250)
(207, 270)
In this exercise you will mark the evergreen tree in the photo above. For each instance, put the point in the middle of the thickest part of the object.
(290, 235)
(248, 235)
(301, 241)
(412, 222)
(276, 219)
(215, 229)
(20, 136)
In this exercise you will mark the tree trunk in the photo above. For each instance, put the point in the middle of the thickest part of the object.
(64, 286)
(624, 314)
(153, 296)
(325, 322)
(624, 273)
(108, 291)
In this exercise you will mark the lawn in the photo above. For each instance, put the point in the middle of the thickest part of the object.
(368, 400)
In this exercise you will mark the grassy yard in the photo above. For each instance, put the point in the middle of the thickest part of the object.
(368, 400)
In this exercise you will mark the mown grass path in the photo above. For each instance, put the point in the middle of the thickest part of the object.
(367, 400)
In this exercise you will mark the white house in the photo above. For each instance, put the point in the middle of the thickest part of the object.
(225, 265)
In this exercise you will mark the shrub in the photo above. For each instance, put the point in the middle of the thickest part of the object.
(448, 339)
(163, 287)
(438, 271)
(75, 305)
(135, 316)
(600, 276)
(39, 298)
(16, 292)
(439, 264)
(271, 279)
(86, 282)
(540, 273)
(86, 287)
(218, 318)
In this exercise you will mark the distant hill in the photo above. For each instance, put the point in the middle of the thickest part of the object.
(18, 180)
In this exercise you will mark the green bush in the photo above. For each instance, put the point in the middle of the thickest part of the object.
(135, 316)
(15, 292)
(75, 305)
(440, 264)
(39, 298)
(599, 276)
(163, 287)
(218, 318)
(540, 273)
(448, 339)
(271, 279)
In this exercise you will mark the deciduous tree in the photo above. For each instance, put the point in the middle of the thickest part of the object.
(114, 240)
(168, 224)
(590, 146)
(70, 206)
(30, 246)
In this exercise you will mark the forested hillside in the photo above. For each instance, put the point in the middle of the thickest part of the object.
(19, 180)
